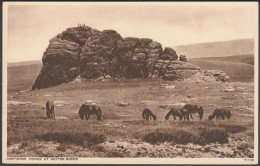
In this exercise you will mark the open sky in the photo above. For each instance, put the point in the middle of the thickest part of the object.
(30, 26)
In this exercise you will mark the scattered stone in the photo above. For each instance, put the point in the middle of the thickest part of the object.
(18, 102)
(107, 77)
(120, 103)
(90, 102)
(23, 91)
(61, 118)
(59, 103)
(167, 86)
(189, 96)
(78, 79)
(229, 89)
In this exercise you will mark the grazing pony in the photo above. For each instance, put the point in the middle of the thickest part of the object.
(174, 113)
(185, 113)
(86, 111)
(193, 109)
(220, 113)
(148, 114)
(50, 109)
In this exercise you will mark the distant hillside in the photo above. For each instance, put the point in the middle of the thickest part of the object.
(239, 68)
(217, 49)
(22, 77)
(24, 63)
(247, 59)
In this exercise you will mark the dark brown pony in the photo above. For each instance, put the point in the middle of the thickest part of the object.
(86, 111)
(148, 114)
(185, 113)
(192, 109)
(50, 109)
(174, 113)
(220, 113)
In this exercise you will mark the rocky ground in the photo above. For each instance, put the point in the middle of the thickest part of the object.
(236, 148)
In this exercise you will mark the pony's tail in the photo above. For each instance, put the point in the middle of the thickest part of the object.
(229, 114)
(99, 113)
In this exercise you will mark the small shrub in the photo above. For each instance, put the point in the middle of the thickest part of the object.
(62, 147)
(23, 145)
(99, 148)
(74, 138)
(233, 128)
(214, 135)
(114, 154)
(243, 146)
(178, 137)
(157, 137)
(205, 136)
(184, 137)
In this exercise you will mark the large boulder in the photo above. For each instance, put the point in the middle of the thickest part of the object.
(169, 54)
(174, 70)
(183, 58)
(216, 75)
(83, 52)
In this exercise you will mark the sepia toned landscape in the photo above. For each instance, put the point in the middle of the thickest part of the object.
(148, 82)
(122, 132)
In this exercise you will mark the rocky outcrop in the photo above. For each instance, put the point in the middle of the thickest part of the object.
(215, 75)
(93, 54)
(174, 70)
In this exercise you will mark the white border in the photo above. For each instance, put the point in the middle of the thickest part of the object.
(128, 160)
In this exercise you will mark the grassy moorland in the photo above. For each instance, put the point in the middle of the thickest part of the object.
(122, 132)
(217, 49)
(238, 68)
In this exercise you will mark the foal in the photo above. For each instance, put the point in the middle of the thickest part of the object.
(148, 114)
(220, 113)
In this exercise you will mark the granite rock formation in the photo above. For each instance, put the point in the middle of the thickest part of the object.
(91, 54)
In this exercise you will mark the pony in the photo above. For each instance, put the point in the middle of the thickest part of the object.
(174, 113)
(193, 109)
(220, 113)
(148, 114)
(50, 109)
(86, 111)
(185, 114)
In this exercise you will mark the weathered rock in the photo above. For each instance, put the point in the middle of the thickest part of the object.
(174, 70)
(183, 58)
(217, 74)
(97, 54)
(91, 54)
(169, 54)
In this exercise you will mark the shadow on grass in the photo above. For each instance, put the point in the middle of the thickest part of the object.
(202, 137)
(83, 139)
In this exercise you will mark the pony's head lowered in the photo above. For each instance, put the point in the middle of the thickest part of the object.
(168, 114)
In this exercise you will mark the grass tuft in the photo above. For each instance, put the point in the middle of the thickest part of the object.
(205, 136)
(74, 138)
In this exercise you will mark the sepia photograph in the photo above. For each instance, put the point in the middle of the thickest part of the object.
(130, 82)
